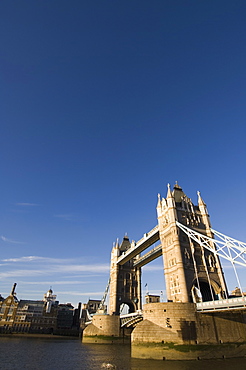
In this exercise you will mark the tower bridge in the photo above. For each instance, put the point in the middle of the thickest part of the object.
(192, 267)
(195, 281)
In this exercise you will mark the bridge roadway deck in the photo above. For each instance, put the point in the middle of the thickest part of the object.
(148, 239)
(131, 319)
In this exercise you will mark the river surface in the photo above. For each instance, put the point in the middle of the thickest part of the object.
(62, 353)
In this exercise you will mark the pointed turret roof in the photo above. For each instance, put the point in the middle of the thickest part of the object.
(178, 193)
(176, 186)
(200, 200)
(125, 244)
(169, 193)
(117, 243)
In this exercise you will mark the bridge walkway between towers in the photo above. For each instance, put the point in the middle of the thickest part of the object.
(148, 239)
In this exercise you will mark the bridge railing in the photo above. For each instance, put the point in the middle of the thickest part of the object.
(131, 319)
(127, 315)
(222, 304)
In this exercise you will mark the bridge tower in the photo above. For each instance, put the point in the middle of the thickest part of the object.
(125, 281)
(192, 273)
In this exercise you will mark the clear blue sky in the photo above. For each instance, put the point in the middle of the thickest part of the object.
(103, 103)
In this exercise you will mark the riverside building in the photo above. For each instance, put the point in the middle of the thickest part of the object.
(45, 316)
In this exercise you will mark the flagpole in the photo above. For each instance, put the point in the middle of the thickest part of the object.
(146, 286)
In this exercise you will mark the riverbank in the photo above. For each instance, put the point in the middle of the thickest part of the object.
(170, 351)
(26, 336)
(104, 339)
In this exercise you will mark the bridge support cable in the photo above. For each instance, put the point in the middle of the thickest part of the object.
(122, 308)
(194, 263)
(237, 277)
(226, 247)
(207, 273)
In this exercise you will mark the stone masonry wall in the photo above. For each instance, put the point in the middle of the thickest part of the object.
(222, 327)
(104, 325)
(180, 323)
(167, 322)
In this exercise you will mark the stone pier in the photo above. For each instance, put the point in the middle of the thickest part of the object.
(103, 329)
(175, 331)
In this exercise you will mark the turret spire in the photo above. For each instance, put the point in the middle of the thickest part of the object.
(200, 200)
(169, 194)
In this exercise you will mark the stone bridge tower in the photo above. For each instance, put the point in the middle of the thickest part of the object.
(192, 273)
(125, 281)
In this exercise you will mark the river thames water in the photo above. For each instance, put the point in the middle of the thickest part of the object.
(62, 353)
